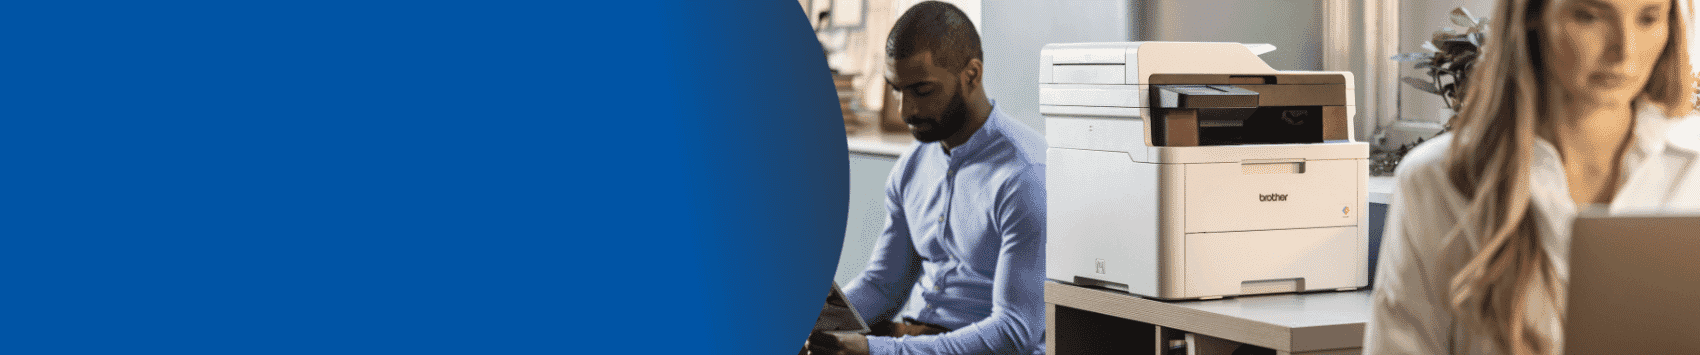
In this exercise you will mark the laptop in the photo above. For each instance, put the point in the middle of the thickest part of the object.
(1634, 285)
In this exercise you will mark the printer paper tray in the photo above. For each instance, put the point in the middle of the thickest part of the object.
(1238, 263)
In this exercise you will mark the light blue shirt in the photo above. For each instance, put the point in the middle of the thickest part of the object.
(967, 231)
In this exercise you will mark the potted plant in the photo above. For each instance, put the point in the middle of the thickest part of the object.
(1448, 57)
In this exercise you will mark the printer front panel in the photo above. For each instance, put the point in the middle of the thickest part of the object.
(1271, 194)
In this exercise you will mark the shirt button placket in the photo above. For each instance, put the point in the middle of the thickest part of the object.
(949, 203)
(949, 183)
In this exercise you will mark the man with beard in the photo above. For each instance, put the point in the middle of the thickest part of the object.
(965, 225)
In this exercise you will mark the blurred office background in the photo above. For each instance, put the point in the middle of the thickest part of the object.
(1351, 35)
(853, 36)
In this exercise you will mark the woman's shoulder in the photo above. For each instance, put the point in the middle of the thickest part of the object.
(1684, 132)
(1679, 131)
(1424, 167)
(1681, 155)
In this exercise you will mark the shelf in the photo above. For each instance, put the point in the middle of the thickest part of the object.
(1381, 189)
(890, 145)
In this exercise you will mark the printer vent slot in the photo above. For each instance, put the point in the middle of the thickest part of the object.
(1272, 168)
(1272, 286)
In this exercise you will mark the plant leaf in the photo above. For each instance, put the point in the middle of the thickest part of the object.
(1461, 17)
(1476, 39)
(1421, 84)
(1430, 47)
(1422, 65)
(1465, 59)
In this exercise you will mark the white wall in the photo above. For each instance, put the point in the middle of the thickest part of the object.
(1293, 26)
(866, 219)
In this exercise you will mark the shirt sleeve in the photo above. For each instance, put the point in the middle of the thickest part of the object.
(1017, 321)
(1410, 311)
(880, 290)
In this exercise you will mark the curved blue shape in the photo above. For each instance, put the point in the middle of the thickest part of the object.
(416, 177)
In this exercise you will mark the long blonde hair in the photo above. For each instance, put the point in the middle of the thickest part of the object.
(1489, 162)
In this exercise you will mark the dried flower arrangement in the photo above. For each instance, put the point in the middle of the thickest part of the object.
(1450, 56)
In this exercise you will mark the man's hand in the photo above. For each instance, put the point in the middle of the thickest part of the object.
(821, 343)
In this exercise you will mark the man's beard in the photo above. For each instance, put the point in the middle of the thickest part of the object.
(949, 122)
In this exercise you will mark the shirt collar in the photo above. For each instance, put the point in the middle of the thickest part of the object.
(1651, 126)
(1649, 133)
(1651, 137)
(981, 136)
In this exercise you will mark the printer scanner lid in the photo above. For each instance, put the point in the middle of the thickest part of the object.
(1132, 63)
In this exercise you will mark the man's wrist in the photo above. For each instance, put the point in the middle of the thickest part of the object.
(854, 344)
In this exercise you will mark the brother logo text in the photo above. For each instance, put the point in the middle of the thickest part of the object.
(1272, 197)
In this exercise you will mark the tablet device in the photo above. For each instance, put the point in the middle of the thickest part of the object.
(838, 315)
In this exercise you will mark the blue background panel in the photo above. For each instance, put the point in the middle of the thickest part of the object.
(415, 177)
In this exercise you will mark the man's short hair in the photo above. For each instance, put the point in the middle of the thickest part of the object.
(935, 27)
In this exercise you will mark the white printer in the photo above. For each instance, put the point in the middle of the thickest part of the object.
(1181, 170)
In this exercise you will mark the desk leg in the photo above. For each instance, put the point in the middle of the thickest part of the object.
(1165, 335)
(1050, 329)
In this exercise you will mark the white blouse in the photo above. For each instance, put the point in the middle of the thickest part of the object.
(1411, 312)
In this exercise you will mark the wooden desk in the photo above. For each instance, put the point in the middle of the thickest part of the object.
(1081, 320)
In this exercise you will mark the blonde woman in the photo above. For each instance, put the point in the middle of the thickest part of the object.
(1575, 103)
